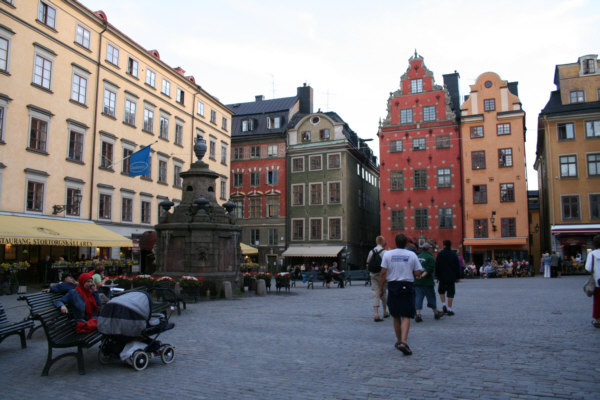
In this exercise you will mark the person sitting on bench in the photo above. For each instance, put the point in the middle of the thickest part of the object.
(63, 287)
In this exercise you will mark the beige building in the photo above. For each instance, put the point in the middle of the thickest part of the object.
(77, 98)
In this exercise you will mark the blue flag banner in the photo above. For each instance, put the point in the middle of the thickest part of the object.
(139, 162)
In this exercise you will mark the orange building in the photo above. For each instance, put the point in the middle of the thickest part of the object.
(494, 172)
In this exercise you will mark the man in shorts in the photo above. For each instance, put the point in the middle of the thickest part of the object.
(399, 267)
(447, 272)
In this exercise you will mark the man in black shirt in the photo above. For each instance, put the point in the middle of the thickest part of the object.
(447, 272)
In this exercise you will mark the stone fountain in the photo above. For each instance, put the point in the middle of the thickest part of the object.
(200, 237)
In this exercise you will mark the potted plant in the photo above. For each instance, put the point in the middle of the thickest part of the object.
(13, 270)
(123, 281)
(266, 276)
(191, 285)
(146, 281)
(282, 280)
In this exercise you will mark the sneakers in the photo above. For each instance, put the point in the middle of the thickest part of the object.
(450, 312)
(438, 315)
(445, 310)
(418, 318)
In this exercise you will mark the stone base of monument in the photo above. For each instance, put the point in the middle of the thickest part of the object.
(261, 287)
(227, 292)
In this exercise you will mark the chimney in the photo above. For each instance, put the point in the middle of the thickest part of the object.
(259, 97)
(305, 95)
(451, 82)
(513, 88)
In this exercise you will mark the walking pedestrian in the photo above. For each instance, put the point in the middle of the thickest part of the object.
(447, 272)
(425, 285)
(399, 268)
(374, 266)
(592, 265)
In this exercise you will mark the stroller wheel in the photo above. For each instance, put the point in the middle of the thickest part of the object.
(103, 358)
(139, 360)
(167, 354)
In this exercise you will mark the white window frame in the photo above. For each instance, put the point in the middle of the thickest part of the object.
(223, 191)
(81, 38)
(133, 67)
(416, 85)
(310, 158)
(42, 117)
(150, 78)
(329, 219)
(81, 75)
(303, 229)
(163, 172)
(81, 130)
(179, 132)
(149, 114)
(310, 200)
(163, 126)
(299, 170)
(129, 196)
(180, 96)
(165, 87)
(177, 169)
(303, 194)
(46, 56)
(4, 108)
(44, 18)
(112, 54)
(31, 176)
(272, 150)
(331, 155)
(105, 192)
(130, 111)
(273, 122)
(113, 90)
(329, 192)
(224, 152)
(200, 108)
(6, 35)
(310, 235)
(73, 186)
(148, 199)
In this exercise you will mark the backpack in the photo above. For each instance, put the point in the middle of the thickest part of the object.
(374, 264)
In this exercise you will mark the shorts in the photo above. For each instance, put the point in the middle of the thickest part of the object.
(401, 299)
(447, 288)
(422, 292)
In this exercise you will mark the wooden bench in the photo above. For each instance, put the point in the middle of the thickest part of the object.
(38, 302)
(165, 295)
(356, 275)
(8, 328)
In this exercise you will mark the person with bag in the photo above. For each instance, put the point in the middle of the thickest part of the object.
(84, 303)
(592, 265)
(374, 266)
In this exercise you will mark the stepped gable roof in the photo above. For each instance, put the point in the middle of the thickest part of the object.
(263, 106)
(554, 106)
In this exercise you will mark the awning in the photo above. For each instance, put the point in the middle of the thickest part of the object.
(248, 250)
(312, 251)
(582, 228)
(509, 241)
(57, 232)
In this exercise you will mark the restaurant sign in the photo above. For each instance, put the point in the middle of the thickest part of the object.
(46, 242)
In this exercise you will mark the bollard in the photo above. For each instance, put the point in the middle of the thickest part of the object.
(261, 287)
(227, 290)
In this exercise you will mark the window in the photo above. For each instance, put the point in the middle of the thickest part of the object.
(478, 159)
(419, 144)
(505, 158)
(223, 191)
(273, 237)
(151, 78)
(406, 115)
(395, 146)
(254, 179)
(38, 134)
(255, 236)
(163, 131)
(298, 164)
(508, 227)
(306, 136)
(146, 212)
(110, 98)
(254, 207)
(503, 129)
(148, 120)
(589, 66)
(112, 54)
(132, 67)
(104, 211)
(397, 180)
(297, 229)
(421, 218)
(316, 194)
(566, 132)
(179, 134)
(335, 228)
(106, 159)
(272, 177)
(75, 146)
(333, 161)
(397, 220)
(73, 207)
(248, 125)
(2, 108)
(479, 194)
(416, 86)
(238, 153)
(568, 166)
(507, 192)
(334, 192)
(298, 195)
(480, 228)
(35, 196)
(316, 229)
(238, 180)
(162, 171)
(442, 142)
(489, 104)
(42, 72)
(272, 206)
(273, 122)
(444, 177)
(445, 217)
(47, 15)
(595, 206)
(570, 207)
(577, 96)
(213, 116)
(126, 209)
(315, 163)
(429, 113)
(324, 134)
(238, 211)
(592, 129)
(126, 161)
(224, 152)
(272, 150)
(255, 152)
(420, 179)
(593, 164)
(82, 36)
(3, 54)
(477, 131)
(224, 123)
(200, 109)
(129, 112)
(180, 96)
(148, 176)
(166, 87)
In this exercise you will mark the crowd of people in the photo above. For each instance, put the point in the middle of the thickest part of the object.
(329, 274)
(492, 268)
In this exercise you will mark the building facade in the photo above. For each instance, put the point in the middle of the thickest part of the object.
(568, 159)
(77, 98)
(419, 142)
(494, 171)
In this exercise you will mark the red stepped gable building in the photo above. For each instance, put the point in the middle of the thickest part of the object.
(420, 166)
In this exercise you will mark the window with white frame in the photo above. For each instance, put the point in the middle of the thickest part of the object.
(224, 152)
(255, 152)
(419, 144)
(148, 118)
(298, 164)
(273, 122)
(477, 131)
(4, 51)
(272, 206)
(224, 123)
(223, 191)
(35, 195)
(238, 211)
(316, 193)
(200, 108)
(129, 116)
(164, 126)
(315, 163)
(592, 129)
(444, 177)
(162, 171)
(112, 54)
(43, 66)
(272, 177)
(82, 36)
(272, 150)
(416, 86)
(76, 141)
(505, 158)
(177, 180)
(178, 133)
(180, 96)
(106, 151)
(588, 66)
(324, 134)
(316, 228)
(79, 85)
(47, 14)
(238, 179)
(255, 179)
(445, 217)
(110, 100)
(238, 153)
(212, 148)
(395, 146)
(146, 210)
(429, 113)
(298, 194)
(126, 209)
(105, 206)
(3, 107)
(213, 117)
(39, 123)
(306, 136)
(297, 229)
(248, 125)
(150, 77)
(406, 115)
(255, 207)
(334, 192)
(166, 87)
(577, 96)
(566, 131)
(335, 228)
(334, 161)
(73, 206)
(128, 150)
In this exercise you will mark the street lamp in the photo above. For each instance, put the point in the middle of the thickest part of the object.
(71, 205)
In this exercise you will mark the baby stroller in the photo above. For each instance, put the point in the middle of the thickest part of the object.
(131, 330)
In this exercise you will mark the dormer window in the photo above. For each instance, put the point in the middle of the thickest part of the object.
(248, 125)
(324, 133)
(306, 136)
(588, 66)
(274, 122)
(416, 86)
(577, 96)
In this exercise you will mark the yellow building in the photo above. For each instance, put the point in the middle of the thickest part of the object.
(568, 159)
(494, 172)
(77, 98)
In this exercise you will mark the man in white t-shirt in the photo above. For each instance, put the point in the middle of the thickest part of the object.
(399, 268)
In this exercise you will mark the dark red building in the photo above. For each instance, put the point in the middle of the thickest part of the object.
(420, 165)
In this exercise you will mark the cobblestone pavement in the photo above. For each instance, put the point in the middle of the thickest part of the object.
(526, 338)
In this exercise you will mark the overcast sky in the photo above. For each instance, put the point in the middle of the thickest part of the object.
(353, 52)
